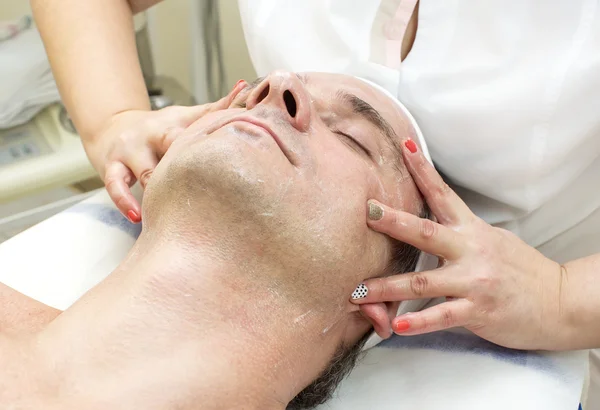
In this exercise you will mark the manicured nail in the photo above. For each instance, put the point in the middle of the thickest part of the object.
(133, 216)
(410, 144)
(375, 212)
(401, 326)
(237, 88)
(360, 292)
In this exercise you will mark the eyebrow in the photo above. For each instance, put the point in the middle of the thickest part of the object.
(370, 114)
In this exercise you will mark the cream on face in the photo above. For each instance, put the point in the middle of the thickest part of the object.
(318, 158)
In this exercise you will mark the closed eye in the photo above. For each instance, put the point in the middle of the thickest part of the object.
(241, 104)
(354, 142)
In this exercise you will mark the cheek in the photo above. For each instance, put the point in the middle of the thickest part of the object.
(344, 175)
(405, 195)
(335, 202)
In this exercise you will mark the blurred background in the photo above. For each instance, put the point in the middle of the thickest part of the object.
(191, 51)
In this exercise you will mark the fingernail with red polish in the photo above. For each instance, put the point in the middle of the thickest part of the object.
(133, 216)
(401, 326)
(238, 83)
(410, 144)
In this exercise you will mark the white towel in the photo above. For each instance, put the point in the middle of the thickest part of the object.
(61, 258)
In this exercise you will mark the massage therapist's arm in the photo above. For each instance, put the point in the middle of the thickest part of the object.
(579, 319)
(21, 314)
(91, 47)
(92, 51)
(496, 285)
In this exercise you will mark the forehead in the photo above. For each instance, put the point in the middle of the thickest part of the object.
(325, 85)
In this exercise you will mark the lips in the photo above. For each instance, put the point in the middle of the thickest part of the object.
(258, 123)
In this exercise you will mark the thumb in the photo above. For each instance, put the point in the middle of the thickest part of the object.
(188, 115)
(226, 101)
(191, 114)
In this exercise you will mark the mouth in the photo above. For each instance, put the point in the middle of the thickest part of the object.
(266, 128)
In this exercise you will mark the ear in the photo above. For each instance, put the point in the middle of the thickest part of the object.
(380, 315)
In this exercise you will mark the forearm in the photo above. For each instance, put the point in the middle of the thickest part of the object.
(579, 308)
(20, 314)
(92, 51)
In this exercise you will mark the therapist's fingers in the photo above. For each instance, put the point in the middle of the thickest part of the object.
(187, 115)
(377, 315)
(198, 111)
(425, 234)
(166, 139)
(445, 204)
(142, 164)
(118, 179)
(183, 117)
(410, 286)
(446, 315)
(226, 101)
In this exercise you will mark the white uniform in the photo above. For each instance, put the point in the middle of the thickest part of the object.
(508, 98)
(507, 94)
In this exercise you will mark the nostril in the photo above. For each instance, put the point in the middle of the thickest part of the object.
(290, 103)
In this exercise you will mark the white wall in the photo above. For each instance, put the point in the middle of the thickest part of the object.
(13, 9)
(170, 37)
(235, 53)
(170, 25)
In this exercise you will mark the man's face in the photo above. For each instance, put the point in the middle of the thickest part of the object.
(288, 169)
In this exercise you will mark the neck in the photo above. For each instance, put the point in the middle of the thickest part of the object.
(177, 324)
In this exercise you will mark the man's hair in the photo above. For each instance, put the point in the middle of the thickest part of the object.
(404, 259)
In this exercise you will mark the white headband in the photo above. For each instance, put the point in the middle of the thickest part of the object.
(425, 261)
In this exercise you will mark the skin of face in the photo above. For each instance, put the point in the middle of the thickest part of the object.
(254, 237)
(285, 181)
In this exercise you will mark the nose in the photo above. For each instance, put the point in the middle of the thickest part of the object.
(286, 92)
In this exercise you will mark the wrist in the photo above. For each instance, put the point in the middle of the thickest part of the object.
(556, 327)
(572, 325)
(94, 133)
(562, 333)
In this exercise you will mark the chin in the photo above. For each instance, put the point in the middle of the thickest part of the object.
(256, 198)
(222, 177)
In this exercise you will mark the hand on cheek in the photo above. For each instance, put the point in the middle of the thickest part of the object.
(495, 285)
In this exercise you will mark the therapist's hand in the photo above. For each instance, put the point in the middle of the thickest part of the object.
(497, 286)
(132, 143)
